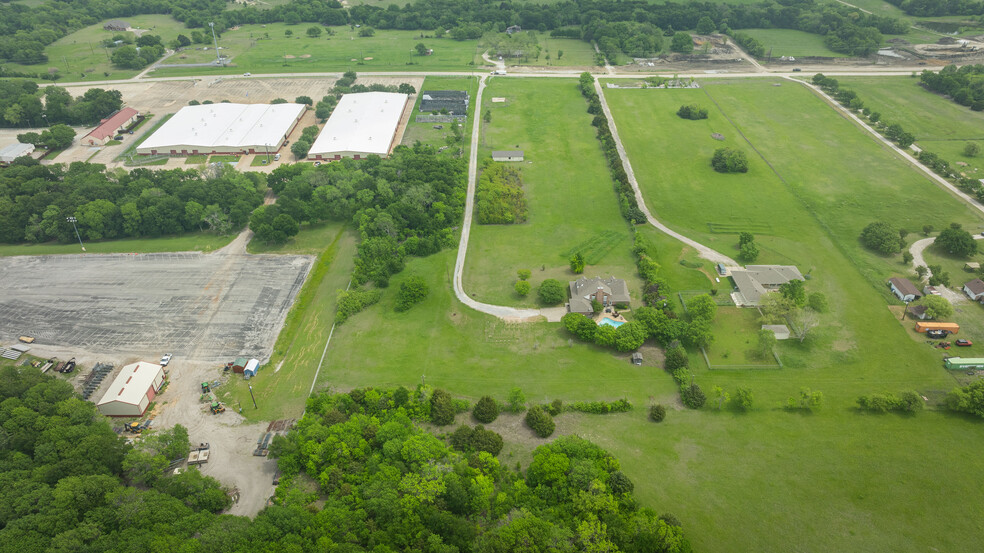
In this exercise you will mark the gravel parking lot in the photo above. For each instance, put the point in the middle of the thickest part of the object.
(207, 307)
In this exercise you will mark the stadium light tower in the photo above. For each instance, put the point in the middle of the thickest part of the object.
(73, 220)
(215, 41)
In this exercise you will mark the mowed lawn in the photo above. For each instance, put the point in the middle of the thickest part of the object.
(572, 202)
(282, 384)
(940, 125)
(192, 241)
(790, 42)
(773, 479)
(266, 49)
(425, 132)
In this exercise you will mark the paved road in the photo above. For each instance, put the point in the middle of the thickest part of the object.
(501, 311)
(704, 251)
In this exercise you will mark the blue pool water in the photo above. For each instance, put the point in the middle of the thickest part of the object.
(610, 322)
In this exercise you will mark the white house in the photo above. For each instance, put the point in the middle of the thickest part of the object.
(904, 289)
(974, 289)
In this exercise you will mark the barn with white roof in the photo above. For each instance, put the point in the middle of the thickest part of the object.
(224, 129)
(132, 391)
(361, 124)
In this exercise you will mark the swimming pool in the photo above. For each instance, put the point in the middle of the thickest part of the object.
(610, 322)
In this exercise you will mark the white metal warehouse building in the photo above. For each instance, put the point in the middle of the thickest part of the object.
(224, 129)
(361, 124)
(133, 390)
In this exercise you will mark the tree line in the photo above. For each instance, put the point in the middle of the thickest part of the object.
(24, 104)
(928, 8)
(407, 204)
(36, 199)
(964, 85)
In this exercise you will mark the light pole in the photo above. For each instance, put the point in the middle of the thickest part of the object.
(218, 59)
(251, 396)
(73, 220)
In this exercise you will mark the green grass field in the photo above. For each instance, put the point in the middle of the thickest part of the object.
(736, 339)
(197, 241)
(265, 49)
(572, 202)
(813, 214)
(789, 42)
(940, 125)
(425, 132)
(286, 379)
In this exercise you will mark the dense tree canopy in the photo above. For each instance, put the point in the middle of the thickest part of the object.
(23, 104)
(882, 238)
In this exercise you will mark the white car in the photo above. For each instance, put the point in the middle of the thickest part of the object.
(166, 359)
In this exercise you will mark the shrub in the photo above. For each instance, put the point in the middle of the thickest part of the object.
(729, 160)
(485, 440)
(692, 111)
(906, 402)
(540, 421)
(441, 408)
(522, 288)
(350, 302)
(517, 401)
(577, 263)
(742, 399)
(556, 407)
(693, 396)
(412, 291)
(523, 274)
(808, 400)
(551, 292)
(600, 407)
(681, 375)
(460, 439)
(486, 410)
(657, 413)
(676, 358)
(580, 326)
(630, 336)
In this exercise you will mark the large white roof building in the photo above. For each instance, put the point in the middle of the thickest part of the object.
(133, 390)
(224, 129)
(361, 124)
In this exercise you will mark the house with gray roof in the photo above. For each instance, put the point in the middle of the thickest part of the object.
(754, 281)
(606, 291)
(507, 155)
(904, 289)
(974, 289)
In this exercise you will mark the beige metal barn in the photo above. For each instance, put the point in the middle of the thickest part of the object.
(133, 390)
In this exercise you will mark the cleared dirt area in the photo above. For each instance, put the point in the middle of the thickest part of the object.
(209, 307)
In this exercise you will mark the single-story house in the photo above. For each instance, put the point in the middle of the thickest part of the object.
(754, 281)
(452, 101)
(919, 311)
(111, 126)
(116, 25)
(132, 391)
(974, 289)
(507, 155)
(14, 151)
(606, 291)
(904, 289)
(781, 331)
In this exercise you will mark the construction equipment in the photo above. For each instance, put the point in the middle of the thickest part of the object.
(133, 427)
(217, 408)
(69, 366)
(206, 388)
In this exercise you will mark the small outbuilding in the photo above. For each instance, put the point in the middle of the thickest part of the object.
(974, 289)
(507, 155)
(239, 364)
(904, 289)
(920, 312)
(637, 358)
(14, 151)
(116, 25)
(781, 331)
(931, 291)
(252, 366)
(132, 391)
(972, 266)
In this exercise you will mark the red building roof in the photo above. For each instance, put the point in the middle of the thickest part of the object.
(108, 127)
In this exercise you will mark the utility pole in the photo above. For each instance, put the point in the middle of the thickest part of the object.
(218, 59)
(73, 220)
(251, 396)
(904, 310)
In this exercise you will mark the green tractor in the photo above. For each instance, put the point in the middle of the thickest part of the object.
(217, 408)
(206, 388)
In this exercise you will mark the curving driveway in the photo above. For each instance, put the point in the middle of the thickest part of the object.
(917, 248)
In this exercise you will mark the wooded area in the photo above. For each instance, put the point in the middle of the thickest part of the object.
(499, 198)
(23, 104)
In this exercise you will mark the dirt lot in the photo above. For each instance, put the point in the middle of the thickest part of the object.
(209, 307)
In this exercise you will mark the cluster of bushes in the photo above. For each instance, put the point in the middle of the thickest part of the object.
(523, 285)
(599, 407)
(302, 145)
(748, 250)
(626, 196)
(627, 337)
(35, 200)
(883, 238)
(473, 440)
(540, 421)
(741, 400)
(964, 85)
(729, 160)
(807, 400)
(930, 8)
(654, 288)
(749, 44)
(678, 365)
(635, 39)
(906, 402)
(692, 111)
(271, 225)
(24, 104)
(413, 290)
(149, 49)
(499, 197)
(350, 302)
(967, 399)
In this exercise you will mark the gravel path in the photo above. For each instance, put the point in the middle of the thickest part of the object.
(704, 251)
(916, 249)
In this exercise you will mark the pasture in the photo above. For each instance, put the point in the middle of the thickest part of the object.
(571, 199)
(267, 49)
(790, 42)
(815, 181)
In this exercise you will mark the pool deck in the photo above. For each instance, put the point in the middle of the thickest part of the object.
(617, 318)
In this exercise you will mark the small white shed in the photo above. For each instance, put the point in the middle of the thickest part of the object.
(507, 155)
(251, 367)
(781, 331)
